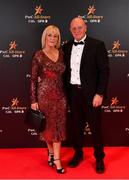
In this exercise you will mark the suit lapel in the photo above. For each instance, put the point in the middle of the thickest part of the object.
(84, 54)
(69, 50)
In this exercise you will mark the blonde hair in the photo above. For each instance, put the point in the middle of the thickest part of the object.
(51, 28)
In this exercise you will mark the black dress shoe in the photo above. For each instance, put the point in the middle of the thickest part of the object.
(77, 158)
(100, 166)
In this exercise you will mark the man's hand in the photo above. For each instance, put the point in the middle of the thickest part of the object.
(97, 100)
(34, 106)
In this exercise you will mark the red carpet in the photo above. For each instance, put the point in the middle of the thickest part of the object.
(31, 163)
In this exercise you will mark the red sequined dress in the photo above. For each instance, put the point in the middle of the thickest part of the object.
(47, 90)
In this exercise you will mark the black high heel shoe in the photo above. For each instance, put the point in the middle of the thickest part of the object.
(61, 170)
(51, 160)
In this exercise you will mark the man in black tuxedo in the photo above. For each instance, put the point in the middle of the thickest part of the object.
(87, 72)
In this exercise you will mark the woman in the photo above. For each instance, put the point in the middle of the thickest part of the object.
(47, 92)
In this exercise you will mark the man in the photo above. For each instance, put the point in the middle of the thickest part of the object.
(86, 74)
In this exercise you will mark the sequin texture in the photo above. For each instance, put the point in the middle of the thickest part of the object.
(47, 90)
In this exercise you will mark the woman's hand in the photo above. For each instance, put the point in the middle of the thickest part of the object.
(35, 106)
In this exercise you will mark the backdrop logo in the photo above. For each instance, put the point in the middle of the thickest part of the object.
(127, 130)
(87, 130)
(15, 103)
(14, 107)
(90, 15)
(32, 132)
(38, 10)
(116, 45)
(28, 75)
(114, 106)
(114, 101)
(12, 51)
(1, 131)
(38, 16)
(13, 45)
(64, 42)
(116, 51)
(91, 10)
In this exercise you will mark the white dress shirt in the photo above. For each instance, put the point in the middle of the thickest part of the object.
(75, 62)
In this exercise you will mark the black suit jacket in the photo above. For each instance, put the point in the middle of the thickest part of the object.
(94, 69)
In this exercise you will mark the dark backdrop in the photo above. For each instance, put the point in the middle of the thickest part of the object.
(20, 34)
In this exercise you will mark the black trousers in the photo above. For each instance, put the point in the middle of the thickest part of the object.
(82, 111)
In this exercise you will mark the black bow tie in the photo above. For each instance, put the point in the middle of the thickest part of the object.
(77, 43)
